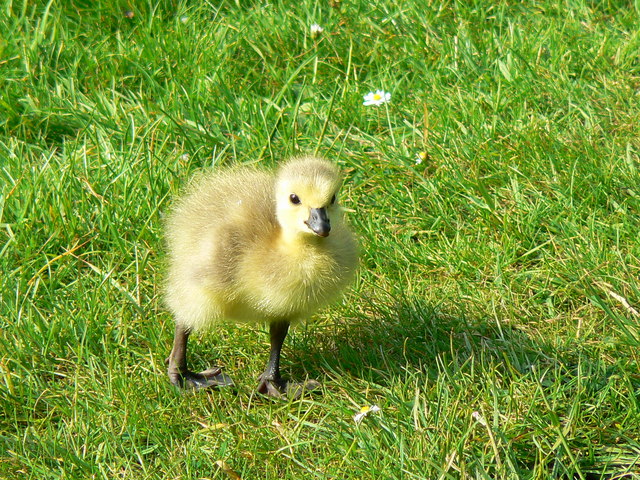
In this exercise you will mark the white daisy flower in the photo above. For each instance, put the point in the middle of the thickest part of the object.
(477, 416)
(421, 157)
(376, 98)
(315, 30)
(364, 411)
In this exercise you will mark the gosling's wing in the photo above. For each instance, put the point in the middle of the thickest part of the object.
(217, 222)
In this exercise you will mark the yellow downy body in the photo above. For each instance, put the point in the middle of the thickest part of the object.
(240, 250)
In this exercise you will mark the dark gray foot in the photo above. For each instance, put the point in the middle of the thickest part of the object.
(280, 388)
(210, 378)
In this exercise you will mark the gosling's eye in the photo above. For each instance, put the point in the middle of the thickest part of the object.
(333, 199)
(294, 199)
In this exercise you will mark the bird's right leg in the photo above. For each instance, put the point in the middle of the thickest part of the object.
(181, 376)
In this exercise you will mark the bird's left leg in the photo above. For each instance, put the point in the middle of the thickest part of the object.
(271, 382)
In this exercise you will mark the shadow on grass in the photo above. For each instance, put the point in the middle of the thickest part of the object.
(413, 336)
(416, 337)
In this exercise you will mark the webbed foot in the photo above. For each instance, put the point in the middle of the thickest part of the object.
(210, 378)
(280, 388)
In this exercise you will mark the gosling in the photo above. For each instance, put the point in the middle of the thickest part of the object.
(247, 245)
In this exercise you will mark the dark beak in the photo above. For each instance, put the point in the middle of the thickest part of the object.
(319, 222)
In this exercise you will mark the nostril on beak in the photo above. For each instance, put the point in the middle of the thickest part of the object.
(319, 222)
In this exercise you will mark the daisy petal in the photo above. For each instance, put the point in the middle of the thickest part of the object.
(376, 98)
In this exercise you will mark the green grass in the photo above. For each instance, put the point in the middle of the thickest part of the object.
(493, 317)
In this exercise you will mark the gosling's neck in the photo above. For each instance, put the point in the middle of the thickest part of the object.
(292, 242)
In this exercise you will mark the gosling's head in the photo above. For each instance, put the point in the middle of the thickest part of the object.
(306, 197)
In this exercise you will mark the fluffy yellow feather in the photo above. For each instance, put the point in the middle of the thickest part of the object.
(253, 246)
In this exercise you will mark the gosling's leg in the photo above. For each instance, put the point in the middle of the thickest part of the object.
(271, 382)
(181, 376)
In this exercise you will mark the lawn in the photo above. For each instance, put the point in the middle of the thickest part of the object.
(495, 318)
